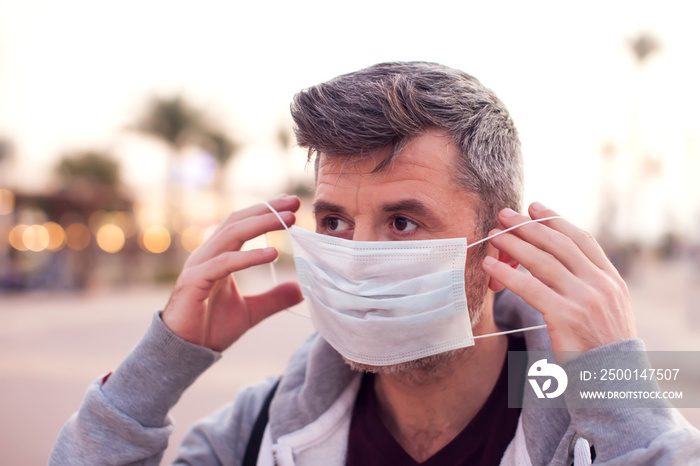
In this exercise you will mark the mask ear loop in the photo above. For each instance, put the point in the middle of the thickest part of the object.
(506, 332)
(272, 264)
(517, 330)
(537, 220)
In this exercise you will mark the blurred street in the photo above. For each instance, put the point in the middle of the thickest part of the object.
(53, 345)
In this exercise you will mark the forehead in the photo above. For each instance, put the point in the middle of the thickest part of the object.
(422, 170)
(429, 154)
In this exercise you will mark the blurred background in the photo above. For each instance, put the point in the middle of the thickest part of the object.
(128, 130)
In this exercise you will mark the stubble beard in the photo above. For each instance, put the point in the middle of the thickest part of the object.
(430, 368)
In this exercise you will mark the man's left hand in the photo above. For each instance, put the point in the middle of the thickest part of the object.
(581, 295)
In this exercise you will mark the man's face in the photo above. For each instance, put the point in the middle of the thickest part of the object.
(413, 198)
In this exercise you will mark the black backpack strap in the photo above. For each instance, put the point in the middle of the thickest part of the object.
(256, 436)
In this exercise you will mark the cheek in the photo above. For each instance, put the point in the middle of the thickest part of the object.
(475, 276)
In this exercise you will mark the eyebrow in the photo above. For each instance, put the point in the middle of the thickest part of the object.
(323, 206)
(409, 206)
(412, 206)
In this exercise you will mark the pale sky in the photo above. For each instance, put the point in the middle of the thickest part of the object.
(74, 73)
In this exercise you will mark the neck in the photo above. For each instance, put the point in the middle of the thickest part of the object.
(425, 413)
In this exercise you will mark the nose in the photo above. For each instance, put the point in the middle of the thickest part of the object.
(364, 232)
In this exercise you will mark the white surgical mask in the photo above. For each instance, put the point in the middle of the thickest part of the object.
(386, 302)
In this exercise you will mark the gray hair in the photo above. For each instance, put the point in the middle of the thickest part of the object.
(386, 105)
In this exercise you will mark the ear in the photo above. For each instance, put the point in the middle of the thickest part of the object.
(506, 259)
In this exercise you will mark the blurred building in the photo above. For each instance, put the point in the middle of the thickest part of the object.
(57, 240)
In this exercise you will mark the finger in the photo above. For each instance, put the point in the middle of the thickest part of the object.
(566, 242)
(232, 237)
(583, 239)
(541, 264)
(533, 291)
(280, 204)
(554, 243)
(281, 297)
(207, 274)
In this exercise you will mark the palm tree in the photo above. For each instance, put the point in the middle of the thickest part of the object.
(222, 148)
(643, 45)
(170, 119)
(89, 167)
(642, 166)
(178, 123)
(89, 181)
(91, 177)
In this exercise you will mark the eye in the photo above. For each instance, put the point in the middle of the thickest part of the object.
(335, 224)
(403, 224)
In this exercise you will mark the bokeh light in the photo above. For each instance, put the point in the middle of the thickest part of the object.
(110, 238)
(16, 237)
(77, 236)
(7, 201)
(156, 239)
(149, 215)
(192, 237)
(35, 238)
(57, 236)
(125, 221)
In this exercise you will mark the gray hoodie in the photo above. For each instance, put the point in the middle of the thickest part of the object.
(125, 420)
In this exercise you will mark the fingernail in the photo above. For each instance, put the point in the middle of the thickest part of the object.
(508, 213)
(270, 249)
(488, 260)
(537, 207)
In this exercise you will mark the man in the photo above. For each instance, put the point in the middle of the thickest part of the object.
(416, 154)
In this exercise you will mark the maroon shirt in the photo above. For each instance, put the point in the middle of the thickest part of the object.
(481, 443)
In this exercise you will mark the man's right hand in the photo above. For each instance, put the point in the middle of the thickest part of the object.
(206, 307)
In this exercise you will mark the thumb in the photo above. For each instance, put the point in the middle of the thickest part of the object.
(280, 297)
